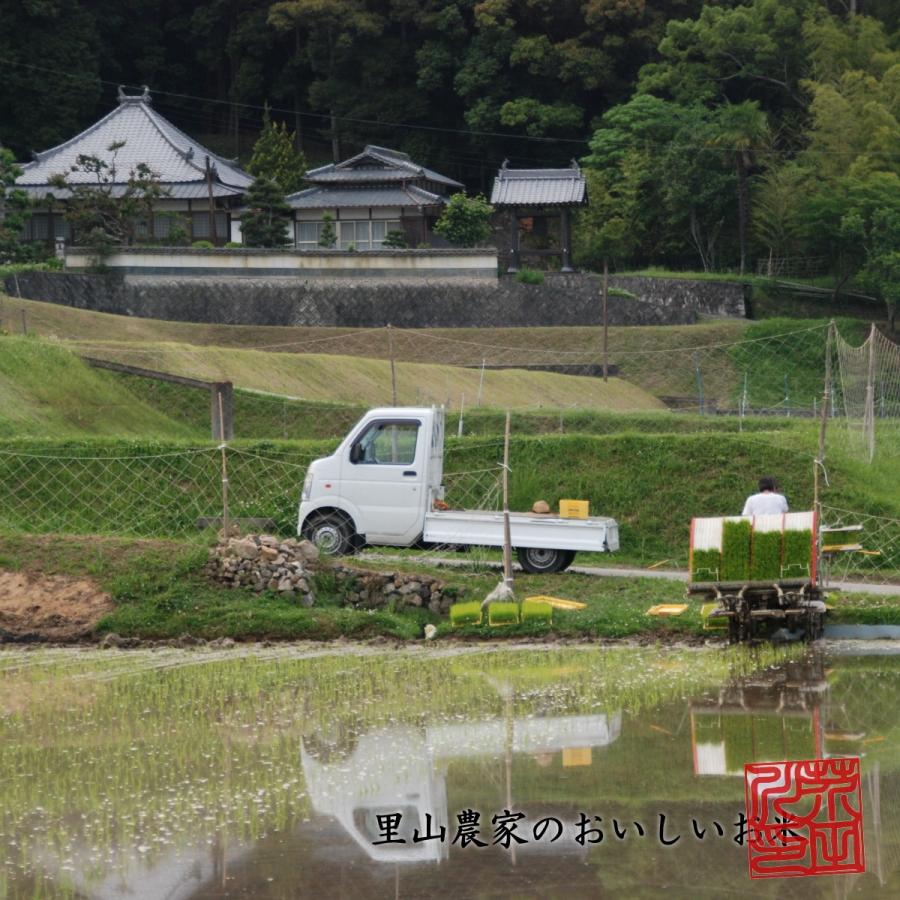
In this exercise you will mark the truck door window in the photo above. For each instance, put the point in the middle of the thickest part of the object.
(387, 444)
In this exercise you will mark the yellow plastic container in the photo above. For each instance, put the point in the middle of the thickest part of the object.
(573, 509)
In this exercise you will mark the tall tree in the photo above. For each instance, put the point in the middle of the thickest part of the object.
(743, 134)
(275, 156)
(266, 219)
(14, 207)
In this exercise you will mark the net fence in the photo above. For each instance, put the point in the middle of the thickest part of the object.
(726, 370)
(637, 461)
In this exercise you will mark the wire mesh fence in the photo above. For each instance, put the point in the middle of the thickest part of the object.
(570, 442)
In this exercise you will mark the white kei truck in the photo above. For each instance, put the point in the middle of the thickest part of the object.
(383, 485)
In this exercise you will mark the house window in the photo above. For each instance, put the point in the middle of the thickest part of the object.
(37, 227)
(365, 234)
(380, 228)
(308, 234)
(200, 226)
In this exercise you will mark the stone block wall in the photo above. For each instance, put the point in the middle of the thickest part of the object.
(563, 299)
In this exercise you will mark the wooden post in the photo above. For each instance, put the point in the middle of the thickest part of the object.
(507, 539)
(819, 461)
(390, 332)
(566, 237)
(24, 323)
(226, 524)
(513, 242)
(869, 415)
(222, 411)
(212, 204)
(605, 319)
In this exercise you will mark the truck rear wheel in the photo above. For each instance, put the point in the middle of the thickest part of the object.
(543, 562)
(331, 533)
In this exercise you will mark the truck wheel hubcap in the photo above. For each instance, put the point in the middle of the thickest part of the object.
(541, 558)
(328, 538)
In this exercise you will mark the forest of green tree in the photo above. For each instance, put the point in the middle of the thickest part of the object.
(714, 132)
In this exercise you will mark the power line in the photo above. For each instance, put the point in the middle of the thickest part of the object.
(305, 113)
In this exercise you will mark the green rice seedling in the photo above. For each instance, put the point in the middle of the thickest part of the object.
(765, 560)
(738, 732)
(503, 614)
(705, 565)
(797, 559)
(735, 551)
(537, 611)
(768, 738)
(465, 613)
(798, 738)
(708, 728)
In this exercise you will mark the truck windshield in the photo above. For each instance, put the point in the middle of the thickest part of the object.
(387, 443)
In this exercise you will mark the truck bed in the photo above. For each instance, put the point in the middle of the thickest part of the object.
(597, 534)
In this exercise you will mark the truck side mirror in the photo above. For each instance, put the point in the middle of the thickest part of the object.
(355, 453)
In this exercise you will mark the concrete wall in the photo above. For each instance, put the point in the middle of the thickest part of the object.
(331, 264)
(374, 302)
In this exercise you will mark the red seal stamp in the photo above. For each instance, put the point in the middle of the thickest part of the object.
(804, 818)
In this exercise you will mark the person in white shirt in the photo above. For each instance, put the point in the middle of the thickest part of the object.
(766, 502)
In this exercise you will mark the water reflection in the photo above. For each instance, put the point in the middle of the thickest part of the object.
(191, 776)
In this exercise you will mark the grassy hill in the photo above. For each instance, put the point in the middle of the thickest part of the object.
(46, 390)
(774, 358)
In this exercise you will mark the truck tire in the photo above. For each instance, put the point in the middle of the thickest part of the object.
(543, 562)
(331, 533)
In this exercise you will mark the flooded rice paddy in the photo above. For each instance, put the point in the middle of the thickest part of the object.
(281, 772)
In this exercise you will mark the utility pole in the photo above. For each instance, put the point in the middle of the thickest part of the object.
(212, 203)
(605, 319)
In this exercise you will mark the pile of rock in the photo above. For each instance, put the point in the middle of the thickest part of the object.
(264, 562)
(374, 590)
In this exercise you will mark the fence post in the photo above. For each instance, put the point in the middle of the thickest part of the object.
(700, 403)
(462, 404)
(390, 332)
(787, 395)
(221, 412)
(481, 382)
(223, 447)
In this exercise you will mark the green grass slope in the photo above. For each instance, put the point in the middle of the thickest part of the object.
(651, 483)
(47, 390)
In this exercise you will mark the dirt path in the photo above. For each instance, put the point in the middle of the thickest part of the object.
(49, 607)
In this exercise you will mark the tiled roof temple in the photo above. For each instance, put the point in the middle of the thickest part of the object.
(177, 160)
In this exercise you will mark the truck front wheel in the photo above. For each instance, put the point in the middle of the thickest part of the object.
(331, 533)
(543, 562)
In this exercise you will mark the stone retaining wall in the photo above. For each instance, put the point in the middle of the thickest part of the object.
(563, 299)
(293, 569)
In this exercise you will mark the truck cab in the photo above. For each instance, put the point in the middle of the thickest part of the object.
(381, 484)
(378, 485)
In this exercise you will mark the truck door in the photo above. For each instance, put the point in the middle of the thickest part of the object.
(383, 477)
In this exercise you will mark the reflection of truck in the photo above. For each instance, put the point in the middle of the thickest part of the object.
(402, 769)
(383, 482)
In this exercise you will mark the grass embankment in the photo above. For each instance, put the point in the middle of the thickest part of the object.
(160, 592)
(651, 483)
(358, 380)
(45, 389)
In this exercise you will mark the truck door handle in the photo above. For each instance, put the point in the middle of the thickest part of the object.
(409, 472)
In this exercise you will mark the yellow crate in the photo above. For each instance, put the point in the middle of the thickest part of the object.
(576, 756)
(573, 509)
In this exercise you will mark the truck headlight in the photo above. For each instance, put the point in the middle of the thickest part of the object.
(307, 487)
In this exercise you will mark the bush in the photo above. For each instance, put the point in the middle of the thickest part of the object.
(465, 221)
(203, 245)
(529, 276)
(234, 245)
(395, 240)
